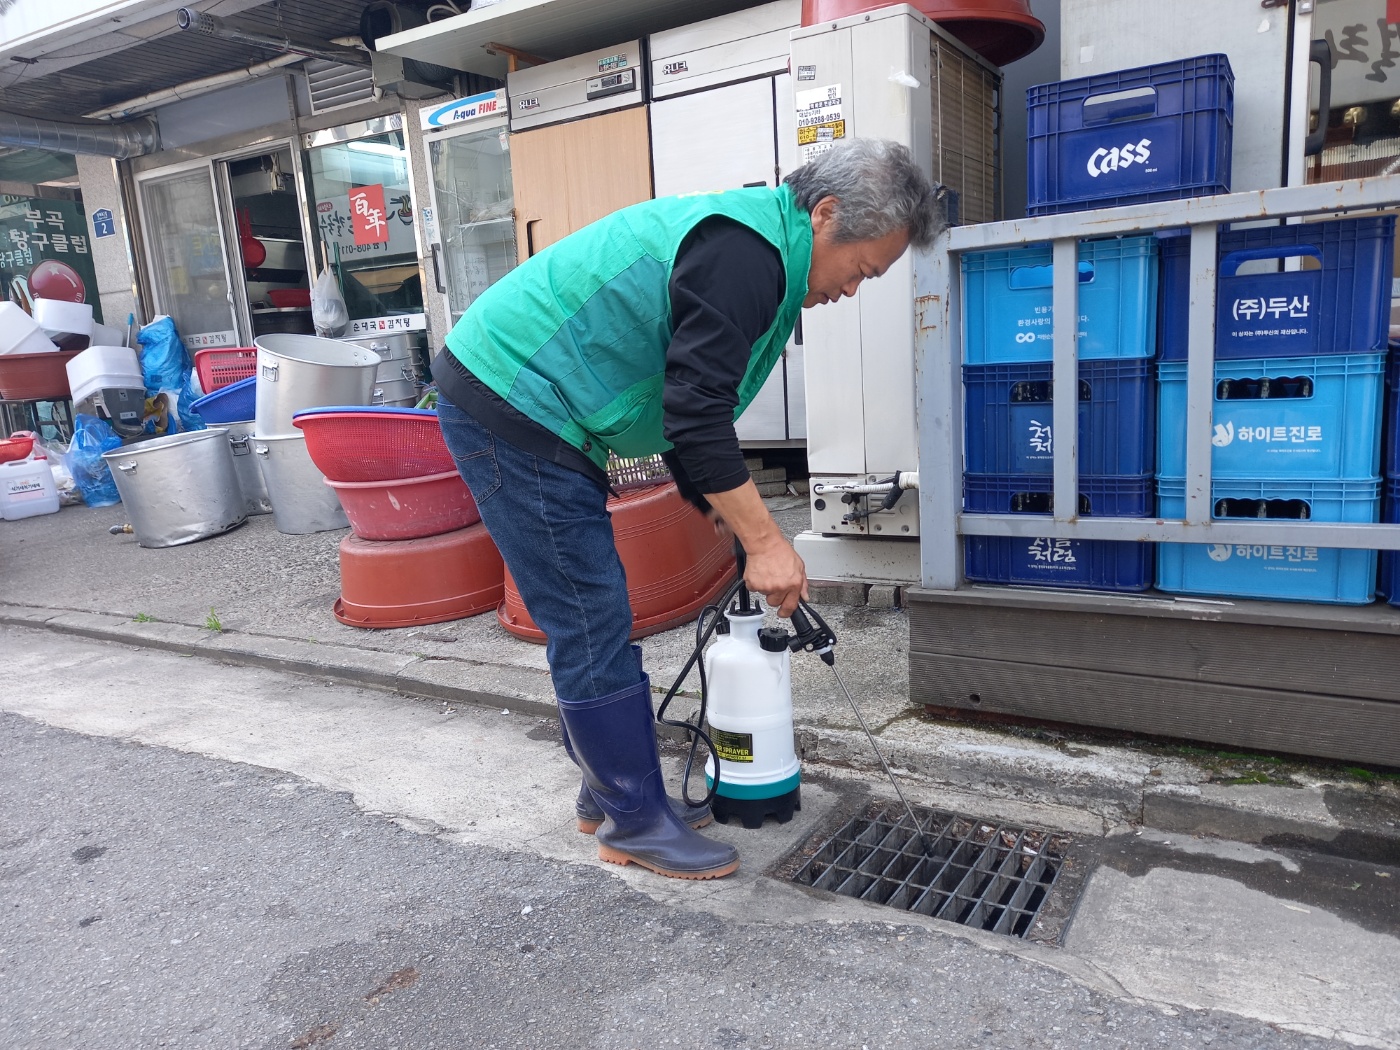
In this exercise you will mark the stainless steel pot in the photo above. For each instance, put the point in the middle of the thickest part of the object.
(305, 371)
(179, 488)
(396, 392)
(302, 502)
(250, 479)
(389, 347)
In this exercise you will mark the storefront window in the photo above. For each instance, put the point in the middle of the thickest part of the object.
(363, 215)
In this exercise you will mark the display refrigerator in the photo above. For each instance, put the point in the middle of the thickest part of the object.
(471, 219)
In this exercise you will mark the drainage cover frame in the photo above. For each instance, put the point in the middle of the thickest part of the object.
(983, 873)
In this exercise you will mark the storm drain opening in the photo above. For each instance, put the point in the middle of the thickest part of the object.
(982, 873)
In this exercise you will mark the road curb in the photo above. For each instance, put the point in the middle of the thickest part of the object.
(1098, 790)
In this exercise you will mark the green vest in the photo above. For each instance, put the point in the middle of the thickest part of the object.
(576, 337)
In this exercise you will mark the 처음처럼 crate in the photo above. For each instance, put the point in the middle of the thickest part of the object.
(1338, 303)
(1100, 565)
(1272, 572)
(1008, 313)
(1285, 418)
(1159, 132)
(1008, 418)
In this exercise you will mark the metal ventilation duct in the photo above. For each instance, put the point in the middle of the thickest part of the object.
(131, 138)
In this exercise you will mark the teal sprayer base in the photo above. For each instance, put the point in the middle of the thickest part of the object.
(752, 804)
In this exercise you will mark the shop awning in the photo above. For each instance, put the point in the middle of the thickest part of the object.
(549, 29)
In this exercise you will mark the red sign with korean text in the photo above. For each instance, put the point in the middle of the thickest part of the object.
(368, 217)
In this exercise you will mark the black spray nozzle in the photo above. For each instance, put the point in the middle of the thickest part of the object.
(814, 637)
(741, 560)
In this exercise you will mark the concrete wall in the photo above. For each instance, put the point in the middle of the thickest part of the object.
(116, 276)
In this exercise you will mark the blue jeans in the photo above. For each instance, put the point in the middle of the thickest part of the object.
(552, 527)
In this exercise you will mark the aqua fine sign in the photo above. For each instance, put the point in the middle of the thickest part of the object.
(462, 110)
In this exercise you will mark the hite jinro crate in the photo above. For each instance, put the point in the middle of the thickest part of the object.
(1155, 133)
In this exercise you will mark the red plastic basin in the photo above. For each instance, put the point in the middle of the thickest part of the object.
(374, 444)
(412, 582)
(1001, 31)
(675, 563)
(407, 509)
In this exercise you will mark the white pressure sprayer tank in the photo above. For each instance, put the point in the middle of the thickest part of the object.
(750, 722)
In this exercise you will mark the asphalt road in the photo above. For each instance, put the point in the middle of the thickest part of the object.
(155, 897)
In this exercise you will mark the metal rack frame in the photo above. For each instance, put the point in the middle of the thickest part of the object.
(938, 375)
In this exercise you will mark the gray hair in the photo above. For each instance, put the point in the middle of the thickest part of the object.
(878, 189)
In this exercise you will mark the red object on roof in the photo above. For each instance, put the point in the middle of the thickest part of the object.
(1001, 31)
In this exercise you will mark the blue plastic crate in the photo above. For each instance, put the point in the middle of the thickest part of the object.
(1009, 412)
(1154, 133)
(1278, 573)
(1390, 417)
(1101, 565)
(1007, 310)
(1341, 305)
(1304, 418)
(1389, 585)
(234, 403)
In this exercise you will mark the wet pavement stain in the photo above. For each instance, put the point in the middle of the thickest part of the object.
(320, 1034)
(84, 854)
(397, 981)
(1361, 892)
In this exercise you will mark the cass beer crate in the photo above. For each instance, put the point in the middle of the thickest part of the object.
(1159, 132)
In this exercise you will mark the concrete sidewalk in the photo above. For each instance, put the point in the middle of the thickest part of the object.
(257, 597)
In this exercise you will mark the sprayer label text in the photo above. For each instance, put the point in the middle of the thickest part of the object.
(733, 747)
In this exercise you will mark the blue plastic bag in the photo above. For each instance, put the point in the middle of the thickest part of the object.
(164, 363)
(91, 438)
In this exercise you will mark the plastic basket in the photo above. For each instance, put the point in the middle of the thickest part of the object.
(234, 403)
(1010, 408)
(1104, 565)
(407, 508)
(1278, 573)
(1304, 418)
(1389, 585)
(218, 367)
(372, 443)
(1154, 133)
(1007, 308)
(1339, 303)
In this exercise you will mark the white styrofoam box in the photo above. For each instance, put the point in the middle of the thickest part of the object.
(106, 335)
(59, 315)
(27, 489)
(20, 333)
(103, 367)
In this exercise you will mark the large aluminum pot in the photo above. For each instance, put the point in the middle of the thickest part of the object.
(179, 488)
(302, 502)
(397, 392)
(306, 371)
(392, 347)
(250, 479)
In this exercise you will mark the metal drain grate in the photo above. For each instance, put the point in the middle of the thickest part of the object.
(980, 873)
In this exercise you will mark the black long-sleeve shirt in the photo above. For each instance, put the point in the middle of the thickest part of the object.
(726, 287)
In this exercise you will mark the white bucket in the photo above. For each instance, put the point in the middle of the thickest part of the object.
(20, 333)
(27, 489)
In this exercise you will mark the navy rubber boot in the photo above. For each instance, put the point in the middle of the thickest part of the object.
(589, 814)
(615, 746)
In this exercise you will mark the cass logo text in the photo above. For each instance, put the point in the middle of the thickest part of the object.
(1124, 156)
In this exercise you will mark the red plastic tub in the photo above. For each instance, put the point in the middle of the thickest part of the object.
(36, 377)
(412, 582)
(1001, 31)
(675, 563)
(407, 509)
(371, 443)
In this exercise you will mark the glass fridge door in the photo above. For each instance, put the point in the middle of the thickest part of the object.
(363, 213)
(187, 257)
(475, 210)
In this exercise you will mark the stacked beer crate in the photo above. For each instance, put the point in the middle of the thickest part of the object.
(1302, 314)
(1160, 132)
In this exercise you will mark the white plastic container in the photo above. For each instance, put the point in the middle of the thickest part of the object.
(20, 333)
(106, 335)
(27, 489)
(101, 368)
(58, 315)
